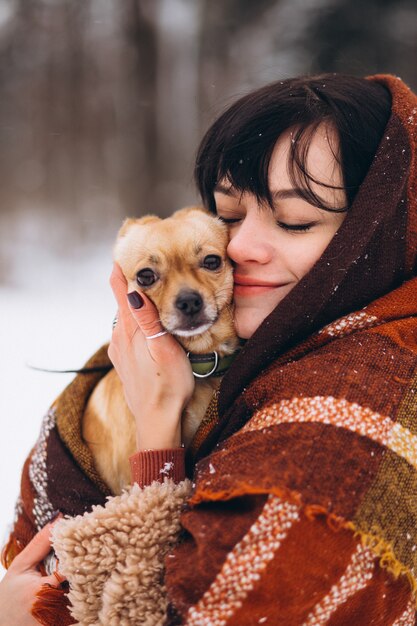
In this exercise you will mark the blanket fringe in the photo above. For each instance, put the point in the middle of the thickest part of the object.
(384, 551)
(10, 551)
(51, 606)
(243, 489)
(334, 522)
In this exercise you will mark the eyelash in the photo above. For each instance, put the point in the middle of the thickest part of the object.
(288, 227)
(227, 221)
(296, 227)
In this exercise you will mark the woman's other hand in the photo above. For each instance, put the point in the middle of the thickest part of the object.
(23, 580)
(155, 373)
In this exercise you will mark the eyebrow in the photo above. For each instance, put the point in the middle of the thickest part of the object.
(281, 194)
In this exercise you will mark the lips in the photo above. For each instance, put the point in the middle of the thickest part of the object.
(248, 286)
(254, 282)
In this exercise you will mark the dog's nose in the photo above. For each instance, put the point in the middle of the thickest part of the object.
(189, 302)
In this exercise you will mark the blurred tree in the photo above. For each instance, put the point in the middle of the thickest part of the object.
(103, 102)
(365, 37)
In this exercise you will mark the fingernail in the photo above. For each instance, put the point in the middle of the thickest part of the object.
(54, 516)
(135, 300)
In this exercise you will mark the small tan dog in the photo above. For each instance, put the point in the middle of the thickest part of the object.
(180, 263)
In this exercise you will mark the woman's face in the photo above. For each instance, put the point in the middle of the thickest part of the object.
(272, 251)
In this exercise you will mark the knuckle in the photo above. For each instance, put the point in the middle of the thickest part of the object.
(151, 327)
(148, 322)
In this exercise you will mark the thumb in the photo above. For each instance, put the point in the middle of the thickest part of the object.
(35, 551)
(145, 313)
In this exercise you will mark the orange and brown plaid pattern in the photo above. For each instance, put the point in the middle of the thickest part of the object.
(305, 505)
(312, 500)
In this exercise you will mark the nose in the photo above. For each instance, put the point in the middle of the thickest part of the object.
(251, 240)
(189, 302)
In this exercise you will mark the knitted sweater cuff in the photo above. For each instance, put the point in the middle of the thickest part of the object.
(147, 466)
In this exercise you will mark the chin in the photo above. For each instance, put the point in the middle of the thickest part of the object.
(248, 317)
(246, 323)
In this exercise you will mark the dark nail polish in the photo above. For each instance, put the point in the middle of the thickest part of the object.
(135, 300)
(53, 516)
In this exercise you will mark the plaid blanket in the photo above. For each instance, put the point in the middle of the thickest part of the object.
(305, 502)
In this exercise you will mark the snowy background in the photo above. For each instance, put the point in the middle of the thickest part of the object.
(58, 312)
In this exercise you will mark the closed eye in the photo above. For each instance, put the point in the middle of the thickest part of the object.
(230, 220)
(296, 227)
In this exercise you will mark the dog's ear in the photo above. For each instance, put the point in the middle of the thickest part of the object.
(147, 219)
(130, 221)
(125, 226)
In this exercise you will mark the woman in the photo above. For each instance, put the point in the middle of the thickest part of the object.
(302, 509)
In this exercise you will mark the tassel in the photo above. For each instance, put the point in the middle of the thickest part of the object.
(311, 511)
(52, 607)
(335, 522)
(10, 551)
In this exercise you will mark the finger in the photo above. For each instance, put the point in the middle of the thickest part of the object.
(35, 551)
(145, 313)
(119, 286)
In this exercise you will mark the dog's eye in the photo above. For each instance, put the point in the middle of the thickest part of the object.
(146, 277)
(212, 262)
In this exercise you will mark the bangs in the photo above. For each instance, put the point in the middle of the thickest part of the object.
(239, 145)
(300, 177)
(243, 160)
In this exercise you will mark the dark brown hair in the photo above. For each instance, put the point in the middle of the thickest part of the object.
(239, 145)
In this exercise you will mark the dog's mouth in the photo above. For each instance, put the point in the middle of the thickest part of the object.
(191, 331)
(190, 315)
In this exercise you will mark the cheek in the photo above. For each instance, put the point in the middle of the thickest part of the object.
(304, 261)
(248, 317)
(306, 254)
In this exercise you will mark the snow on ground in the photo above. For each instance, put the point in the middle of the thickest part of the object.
(55, 319)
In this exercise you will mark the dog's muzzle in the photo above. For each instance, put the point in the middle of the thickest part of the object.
(189, 303)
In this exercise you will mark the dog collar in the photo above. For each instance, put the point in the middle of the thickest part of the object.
(205, 365)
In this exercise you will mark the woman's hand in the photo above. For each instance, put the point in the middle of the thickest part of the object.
(155, 373)
(22, 581)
